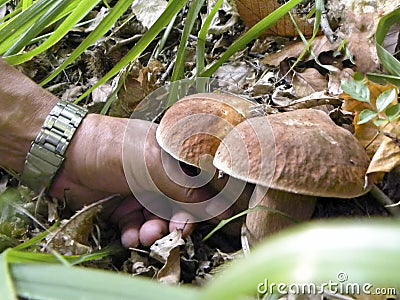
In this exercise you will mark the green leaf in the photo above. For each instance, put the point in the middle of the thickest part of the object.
(390, 63)
(293, 256)
(393, 112)
(380, 122)
(385, 99)
(222, 223)
(357, 90)
(359, 77)
(366, 115)
(16, 27)
(7, 288)
(2, 2)
(384, 78)
(44, 281)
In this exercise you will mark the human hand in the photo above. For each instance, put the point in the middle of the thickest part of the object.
(94, 169)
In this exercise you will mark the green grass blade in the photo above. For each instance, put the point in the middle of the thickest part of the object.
(384, 78)
(179, 68)
(7, 289)
(202, 37)
(367, 251)
(391, 64)
(253, 33)
(26, 4)
(83, 8)
(172, 9)
(164, 38)
(94, 36)
(16, 256)
(224, 222)
(2, 2)
(66, 283)
(36, 28)
(15, 27)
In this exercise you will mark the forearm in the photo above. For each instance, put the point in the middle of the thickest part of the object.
(23, 108)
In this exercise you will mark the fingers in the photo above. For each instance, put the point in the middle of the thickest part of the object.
(152, 230)
(182, 220)
(140, 226)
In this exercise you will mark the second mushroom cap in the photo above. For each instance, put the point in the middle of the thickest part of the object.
(302, 152)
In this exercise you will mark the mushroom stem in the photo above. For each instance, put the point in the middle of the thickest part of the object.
(238, 191)
(263, 223)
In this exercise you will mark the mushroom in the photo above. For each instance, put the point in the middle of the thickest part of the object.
(293, 158)
(192, 129)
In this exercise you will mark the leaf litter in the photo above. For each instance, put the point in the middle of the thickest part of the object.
(266, 72)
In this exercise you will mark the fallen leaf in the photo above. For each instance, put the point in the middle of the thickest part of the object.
(387, 156)
(335, 80)
(148, 12)
(170, 273)
(320, 44)
(161, 248)
(362, 43)
(236, 75)
(253, 11)
(380, 142)
(359, 20)
(265, 85)
(308, 82)
(71, 238)
(134, 87)
(166, 250)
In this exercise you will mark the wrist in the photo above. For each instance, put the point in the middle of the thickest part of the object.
(47, 151)
(93, 159)
(23, 108)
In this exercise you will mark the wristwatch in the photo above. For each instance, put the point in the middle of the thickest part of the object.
(46, 154)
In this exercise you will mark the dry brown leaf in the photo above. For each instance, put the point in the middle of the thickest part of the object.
(136, 86)
(71, 238)
(253, 11)
(235, 75)
(361, 42)
(161, 248)
(170, 273)
(335, 80)
(308, 82)
(359, 22)
(387, 156)
(320, 44)
(356, 106)
(166, 250)
(367, 134)
(384, 151)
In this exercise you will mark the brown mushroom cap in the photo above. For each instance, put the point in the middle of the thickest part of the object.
(192, 128)
(301, 152)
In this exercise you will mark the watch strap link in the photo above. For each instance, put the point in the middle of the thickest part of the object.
(46, 154)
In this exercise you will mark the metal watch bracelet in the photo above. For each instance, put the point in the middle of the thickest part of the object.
(46, 154)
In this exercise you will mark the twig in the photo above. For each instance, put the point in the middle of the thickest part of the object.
(390, 206)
